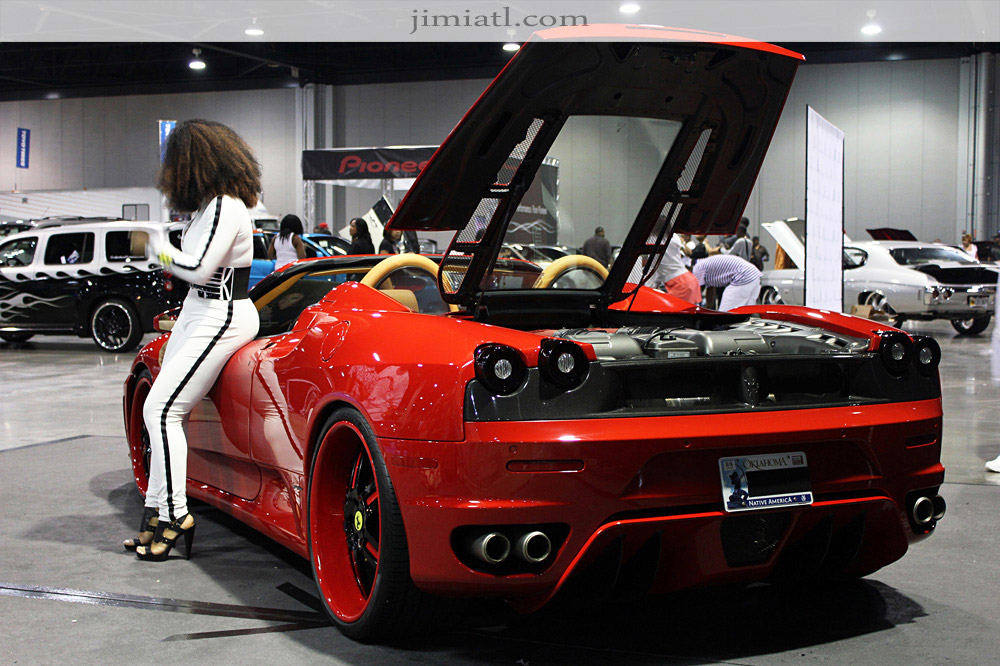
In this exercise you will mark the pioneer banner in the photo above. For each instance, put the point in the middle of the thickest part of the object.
(365, 163)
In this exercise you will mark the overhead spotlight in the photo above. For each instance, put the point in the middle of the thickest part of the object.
(196, 62)
(629, 8)
(872, 28)
(253, 30)
(511, 46)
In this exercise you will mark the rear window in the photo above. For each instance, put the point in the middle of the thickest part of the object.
(914, 256)
(118, 248)
(71, 248)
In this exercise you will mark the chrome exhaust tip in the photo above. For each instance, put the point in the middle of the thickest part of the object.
(533, 547)
(923, 511)
(492, 548)
(939, 507)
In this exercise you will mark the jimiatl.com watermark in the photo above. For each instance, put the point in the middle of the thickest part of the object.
(423, 18)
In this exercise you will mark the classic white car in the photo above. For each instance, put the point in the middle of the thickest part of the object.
(903, 279)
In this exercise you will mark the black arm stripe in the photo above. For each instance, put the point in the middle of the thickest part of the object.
(211, 235)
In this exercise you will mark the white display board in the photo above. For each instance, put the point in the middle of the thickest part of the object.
(824, 287)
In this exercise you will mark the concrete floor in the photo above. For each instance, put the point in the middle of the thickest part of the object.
(70, 595)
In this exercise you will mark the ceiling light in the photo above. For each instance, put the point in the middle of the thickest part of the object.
(872, 28)
(511, 46)
(196, 62)
(253, 30)
(629, 8)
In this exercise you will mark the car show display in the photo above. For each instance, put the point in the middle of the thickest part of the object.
(477, 425)
(897, 278)
(81, 277)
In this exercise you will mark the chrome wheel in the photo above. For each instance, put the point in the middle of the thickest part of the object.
(880, 303)
(114, 326)
(770, 296)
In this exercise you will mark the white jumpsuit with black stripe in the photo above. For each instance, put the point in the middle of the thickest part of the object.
(210, 328)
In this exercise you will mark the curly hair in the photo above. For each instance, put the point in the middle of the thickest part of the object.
(204, 159)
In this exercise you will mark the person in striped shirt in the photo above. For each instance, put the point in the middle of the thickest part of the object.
(740, 278)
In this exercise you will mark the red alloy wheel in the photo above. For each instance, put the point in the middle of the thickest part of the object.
(138, 437)
(345, 521)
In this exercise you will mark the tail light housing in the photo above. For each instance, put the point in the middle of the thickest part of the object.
(563, 363)
(500, 368)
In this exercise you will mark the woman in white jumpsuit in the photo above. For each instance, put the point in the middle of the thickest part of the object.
(207, 166)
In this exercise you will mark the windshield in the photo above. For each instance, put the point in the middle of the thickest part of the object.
(586, 194)
(914, 256)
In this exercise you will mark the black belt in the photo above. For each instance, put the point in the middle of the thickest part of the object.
(235, 287)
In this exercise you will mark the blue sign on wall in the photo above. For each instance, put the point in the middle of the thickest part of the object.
(166, 127)
(23, 147)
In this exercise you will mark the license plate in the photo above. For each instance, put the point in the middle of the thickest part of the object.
(765, 481)
(974, 301)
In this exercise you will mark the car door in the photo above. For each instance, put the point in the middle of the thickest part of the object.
(67, 258)
(219, 430)
(18, 301)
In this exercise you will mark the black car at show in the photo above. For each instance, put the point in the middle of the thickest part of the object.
(81, 277)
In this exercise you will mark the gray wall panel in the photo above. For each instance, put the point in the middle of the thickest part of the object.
(111, 142)
(94, 155)
(72, 143)
(901, 129)
(905, 159)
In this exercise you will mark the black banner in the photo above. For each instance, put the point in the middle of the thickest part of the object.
(356, 163)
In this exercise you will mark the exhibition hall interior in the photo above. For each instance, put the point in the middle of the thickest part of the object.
(559, 332)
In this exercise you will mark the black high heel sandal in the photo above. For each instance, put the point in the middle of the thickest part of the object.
(160, 537)
(150, 518)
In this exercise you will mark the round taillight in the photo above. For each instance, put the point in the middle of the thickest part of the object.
(563, 362)
(500, 368)
(896, 350)
(926, 355)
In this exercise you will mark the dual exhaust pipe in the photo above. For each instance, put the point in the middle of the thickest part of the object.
(928, 510)
(495, 548)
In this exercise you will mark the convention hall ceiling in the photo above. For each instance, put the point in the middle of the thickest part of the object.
(80, 69)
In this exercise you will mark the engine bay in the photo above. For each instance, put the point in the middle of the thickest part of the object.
(751, 337)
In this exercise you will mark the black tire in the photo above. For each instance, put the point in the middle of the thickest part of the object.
(971, 326)
(140, 450)
(365, 605)
(16, 336)
(114, 326)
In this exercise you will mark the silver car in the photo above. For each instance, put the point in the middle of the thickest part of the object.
(902, 279)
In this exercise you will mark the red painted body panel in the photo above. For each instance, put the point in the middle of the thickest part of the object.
(612, 32)
(659, 463)
(448, 473)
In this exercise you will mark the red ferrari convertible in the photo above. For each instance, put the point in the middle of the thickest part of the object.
(474, 425)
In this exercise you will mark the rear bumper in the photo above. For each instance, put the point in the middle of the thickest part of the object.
(648, 496)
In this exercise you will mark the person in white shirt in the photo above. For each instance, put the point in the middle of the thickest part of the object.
(209, 170)
(287, 246)
(969, 247)
(673, 276)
